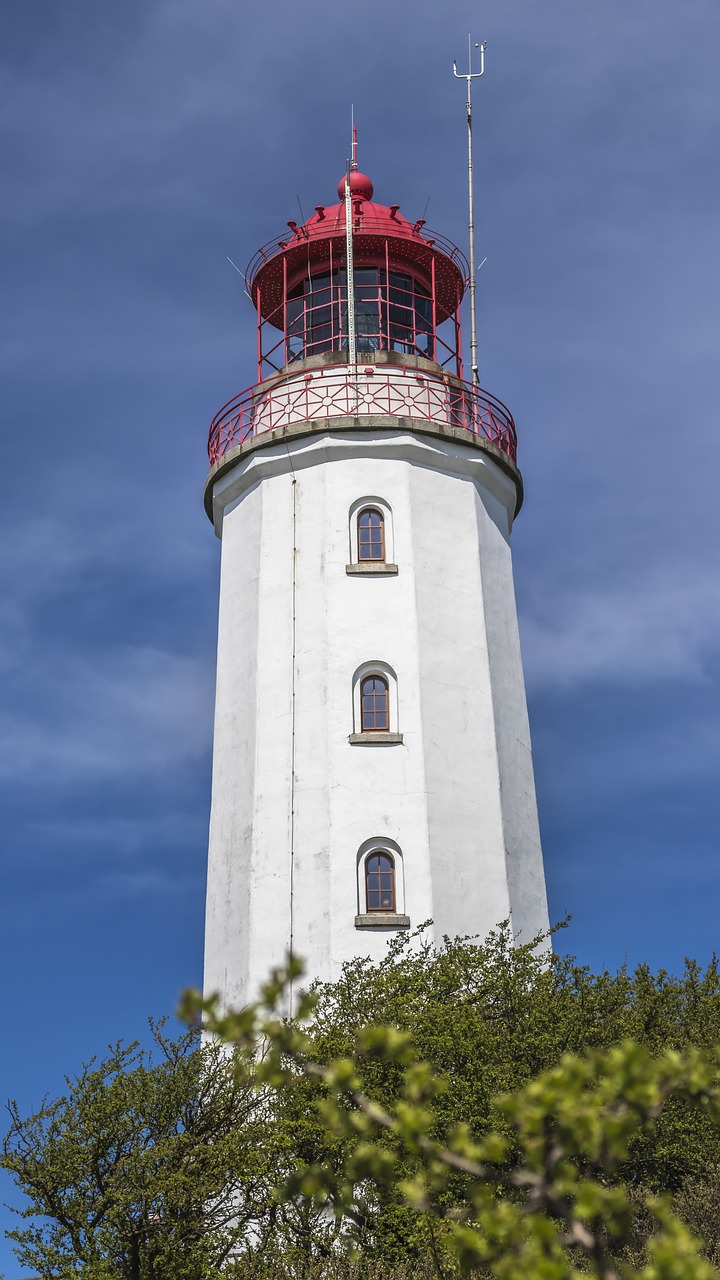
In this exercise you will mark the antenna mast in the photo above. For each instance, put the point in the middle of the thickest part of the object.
(471, 75)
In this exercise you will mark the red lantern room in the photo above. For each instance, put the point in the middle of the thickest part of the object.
(408, 286)
(408, 289)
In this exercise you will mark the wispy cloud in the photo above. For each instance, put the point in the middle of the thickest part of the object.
(119, 713)
(601, 775)
(129, 836)
(92, 532)
(148, 881)
(665, 628)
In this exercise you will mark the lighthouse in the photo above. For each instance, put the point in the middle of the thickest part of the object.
(372, 767)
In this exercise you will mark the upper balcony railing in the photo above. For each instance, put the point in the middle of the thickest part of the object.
(299, 235)
(339, 391)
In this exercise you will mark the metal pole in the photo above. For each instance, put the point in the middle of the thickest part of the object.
(349, 275)
(471, 233)
(471, 75)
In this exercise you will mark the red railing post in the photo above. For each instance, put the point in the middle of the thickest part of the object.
(259, 334)
(434, 305)
(387, 290)
(284, 311)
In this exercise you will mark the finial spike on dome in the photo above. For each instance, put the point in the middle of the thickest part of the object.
(361, 188)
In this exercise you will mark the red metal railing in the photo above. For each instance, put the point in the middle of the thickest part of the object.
(370, 226)
(331, 391)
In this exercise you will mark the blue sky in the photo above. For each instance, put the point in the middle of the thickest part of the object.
(140, 144)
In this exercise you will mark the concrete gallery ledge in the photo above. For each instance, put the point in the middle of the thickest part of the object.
(382, 920)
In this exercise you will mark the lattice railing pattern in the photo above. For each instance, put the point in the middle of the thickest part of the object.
(332, 392)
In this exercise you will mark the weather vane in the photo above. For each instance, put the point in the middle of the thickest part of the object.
(471, 75)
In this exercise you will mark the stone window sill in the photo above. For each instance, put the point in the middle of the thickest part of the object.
(379, 736)
(382, 920)
(369, 568)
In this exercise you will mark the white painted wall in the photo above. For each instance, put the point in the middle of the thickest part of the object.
(456, 796)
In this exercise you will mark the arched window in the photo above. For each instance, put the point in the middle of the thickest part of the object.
(380, 882)
(371, 535)
(374, 704)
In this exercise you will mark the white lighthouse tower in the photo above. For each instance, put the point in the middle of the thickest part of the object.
(372, 766)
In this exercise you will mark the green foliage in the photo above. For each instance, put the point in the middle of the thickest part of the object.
(489, 1018)
(483, 1110)
(449, 1116)
(149, 1166)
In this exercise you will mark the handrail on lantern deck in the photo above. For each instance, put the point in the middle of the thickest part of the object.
(431, 239)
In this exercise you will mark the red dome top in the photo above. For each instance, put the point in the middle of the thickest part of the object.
(380, 234)
(369, 219)
(368, 216)
(360, 186)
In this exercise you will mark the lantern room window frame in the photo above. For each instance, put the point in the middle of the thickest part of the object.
(393, 312)
(426, 323)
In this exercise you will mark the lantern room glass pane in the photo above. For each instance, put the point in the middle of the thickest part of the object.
(391, 313)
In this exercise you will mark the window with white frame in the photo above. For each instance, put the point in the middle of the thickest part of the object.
(371, 537)
(380, 885)
(375, 704)
(380, 882)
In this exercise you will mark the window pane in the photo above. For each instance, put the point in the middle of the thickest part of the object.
(374, 703)
(391, 310)
(400, 317)
(400, 282)
(316, 282)
(424, 312)
(317, 314)
(371, 540)
(365, 276)
(318, 298)
(380, 882)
